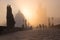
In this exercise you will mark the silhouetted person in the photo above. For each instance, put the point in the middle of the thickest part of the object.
(52, 21)
(25, 23)
(49, 22)
(39, 25)
(30, 27)
(23, 26)
(43, 26)
(10, 18)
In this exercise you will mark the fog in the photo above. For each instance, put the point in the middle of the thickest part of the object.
(51, 7)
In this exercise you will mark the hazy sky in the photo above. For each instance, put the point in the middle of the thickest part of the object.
(29, 9)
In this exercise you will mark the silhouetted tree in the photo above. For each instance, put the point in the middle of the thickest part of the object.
(10, 18)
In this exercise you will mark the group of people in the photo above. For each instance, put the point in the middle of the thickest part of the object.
(41, 26)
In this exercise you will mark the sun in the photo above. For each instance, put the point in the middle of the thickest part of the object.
(30, 14)
(27, 14)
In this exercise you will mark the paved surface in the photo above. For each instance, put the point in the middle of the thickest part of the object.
(46, 34)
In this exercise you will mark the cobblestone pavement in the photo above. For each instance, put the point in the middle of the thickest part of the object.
(46, 34)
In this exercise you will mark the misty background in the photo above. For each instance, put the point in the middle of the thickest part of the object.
(52, 8)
